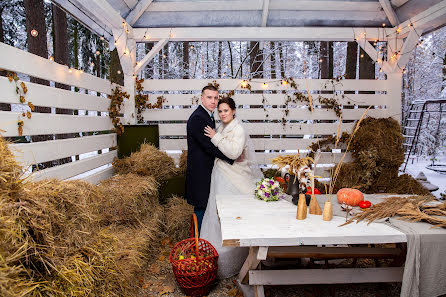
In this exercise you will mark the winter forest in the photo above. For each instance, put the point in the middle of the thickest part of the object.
(64, 39)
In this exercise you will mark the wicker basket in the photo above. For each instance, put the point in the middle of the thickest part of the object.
(194, 263)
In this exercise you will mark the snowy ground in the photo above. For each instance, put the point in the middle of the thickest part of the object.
(420, 163)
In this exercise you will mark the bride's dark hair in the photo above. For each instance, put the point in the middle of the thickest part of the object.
(229, 101)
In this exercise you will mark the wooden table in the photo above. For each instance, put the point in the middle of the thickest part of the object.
(270, 230)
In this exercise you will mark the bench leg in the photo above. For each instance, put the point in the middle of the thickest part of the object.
(259, 291)
(251, 263)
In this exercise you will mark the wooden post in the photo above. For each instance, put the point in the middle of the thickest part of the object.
(301, 208)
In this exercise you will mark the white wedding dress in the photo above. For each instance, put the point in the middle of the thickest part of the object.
(237, 179)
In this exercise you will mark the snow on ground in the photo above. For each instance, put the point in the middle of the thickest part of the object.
(420, 163)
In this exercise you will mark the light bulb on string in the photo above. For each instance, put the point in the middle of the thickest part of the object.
(192, 46)
(92, 64)
(284, 82)
(34, 33)
(70, 70)
(321, 60)
(383, 24)
(118, 72)
(361, 56)
(98, 53)
(102, 37)
(264, 85)
(244, 84)
(51, 58)
(81, 71)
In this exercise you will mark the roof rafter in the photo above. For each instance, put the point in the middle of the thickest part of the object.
(390, 13)
(137, 11)
(149, 56)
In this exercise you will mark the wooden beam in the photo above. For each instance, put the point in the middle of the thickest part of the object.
(149, 56)
(262, 253)
(102, 10)
(131, 3)
(249, 5)
(136, 12)
(257, 33)
(251, 262)
(332, 252)
(264, 19)
(421, 21)
(388, 9)
(374, 55)
(326, 276)
(398, 3)
(406, 51)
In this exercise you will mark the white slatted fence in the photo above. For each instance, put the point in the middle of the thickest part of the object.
(262, 110)
(91, 142)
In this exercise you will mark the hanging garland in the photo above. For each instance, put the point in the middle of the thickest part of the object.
(116, 99)
(141, 100)
(21, 90)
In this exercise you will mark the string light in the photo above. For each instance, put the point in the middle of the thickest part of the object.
(398, 30)
(244, 84)
(321, 60)
(384, 24)
(192, 46)
(118, 72)
(123, 23)
(146, 37)
(380, 70)
(284, 82)
(81, 71)
(164, 56)
(102, 37)
(265, 85)
(70, 70)
(410, 25)
(51, 58)
(98, 53)
(361, 56)
(92, 64)
(34, 33)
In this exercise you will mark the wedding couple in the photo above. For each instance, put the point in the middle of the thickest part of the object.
(219, 162)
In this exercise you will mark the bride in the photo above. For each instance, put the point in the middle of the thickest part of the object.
(237, 179)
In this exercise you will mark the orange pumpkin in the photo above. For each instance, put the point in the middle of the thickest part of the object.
(349, 196)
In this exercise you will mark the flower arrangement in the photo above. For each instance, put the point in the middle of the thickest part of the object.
(268, 190)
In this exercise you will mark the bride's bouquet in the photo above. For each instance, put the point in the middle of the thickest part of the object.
(267, 189)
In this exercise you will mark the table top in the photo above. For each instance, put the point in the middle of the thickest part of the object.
(247, 221)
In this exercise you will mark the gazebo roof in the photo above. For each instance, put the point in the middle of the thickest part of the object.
(103, 15)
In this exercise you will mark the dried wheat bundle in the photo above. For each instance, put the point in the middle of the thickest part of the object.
(177, 214)
(183, 163)
(293, 163)
(412, 209)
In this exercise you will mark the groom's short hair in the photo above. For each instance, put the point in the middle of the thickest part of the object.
(209, 87)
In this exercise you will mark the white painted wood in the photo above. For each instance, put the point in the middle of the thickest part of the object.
(373, 54)
(257, 5)
(265, 13)
(394, 107)
(41, 95)
(257, 85)
(326, 276)
(41, 123)
(38, 152)
(332, 252)
(268, 129)
(149, 56)
(97, 177)
(268, 114)
(275, 99)
(17, 60)
(89, 21)
(261, 254)
(74, 168)
(398, 3)
(131, 3)
(388, 9)
(259, 291)
(275, 224)
(126, 47)
(258, 143)
(102, 10)
(406, 51)
(256, 33)
(137, 11)
(326, 158)
(428, 18)
(251, 262)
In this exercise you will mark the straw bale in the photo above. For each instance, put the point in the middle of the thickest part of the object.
(128, 198)
(183, 163)
(148, 161)
(177, 215)
(10, 170)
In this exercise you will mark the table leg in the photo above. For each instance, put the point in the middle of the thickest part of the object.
(259, 291)
(251, 263)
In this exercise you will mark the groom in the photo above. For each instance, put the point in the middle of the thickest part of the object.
(201, 153)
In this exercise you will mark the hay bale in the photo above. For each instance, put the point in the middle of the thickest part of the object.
(10, 170)
(177, 215)
(128, 199)
(148, 161)
(183, 163)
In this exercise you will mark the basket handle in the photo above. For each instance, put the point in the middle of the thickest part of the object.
(194, 227)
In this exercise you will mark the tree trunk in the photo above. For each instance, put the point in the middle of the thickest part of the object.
(256, 63)
(219, 60)
(185, 60)
(165, 61)
(60, 45)
(3, 106)
(330, 58)
(231, 61)
(273, 60)
(350, 63)
(281, 60)
(115, 66)
(324, 60)
(366, 69)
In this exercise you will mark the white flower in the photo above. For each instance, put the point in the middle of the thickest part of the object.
(260, 192)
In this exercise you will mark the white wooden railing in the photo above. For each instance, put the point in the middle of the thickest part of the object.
(94, 150)
(273, 138)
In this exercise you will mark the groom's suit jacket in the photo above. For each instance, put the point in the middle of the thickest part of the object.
(201, 154)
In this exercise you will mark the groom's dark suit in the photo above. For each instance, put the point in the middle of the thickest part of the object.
(200, 158)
